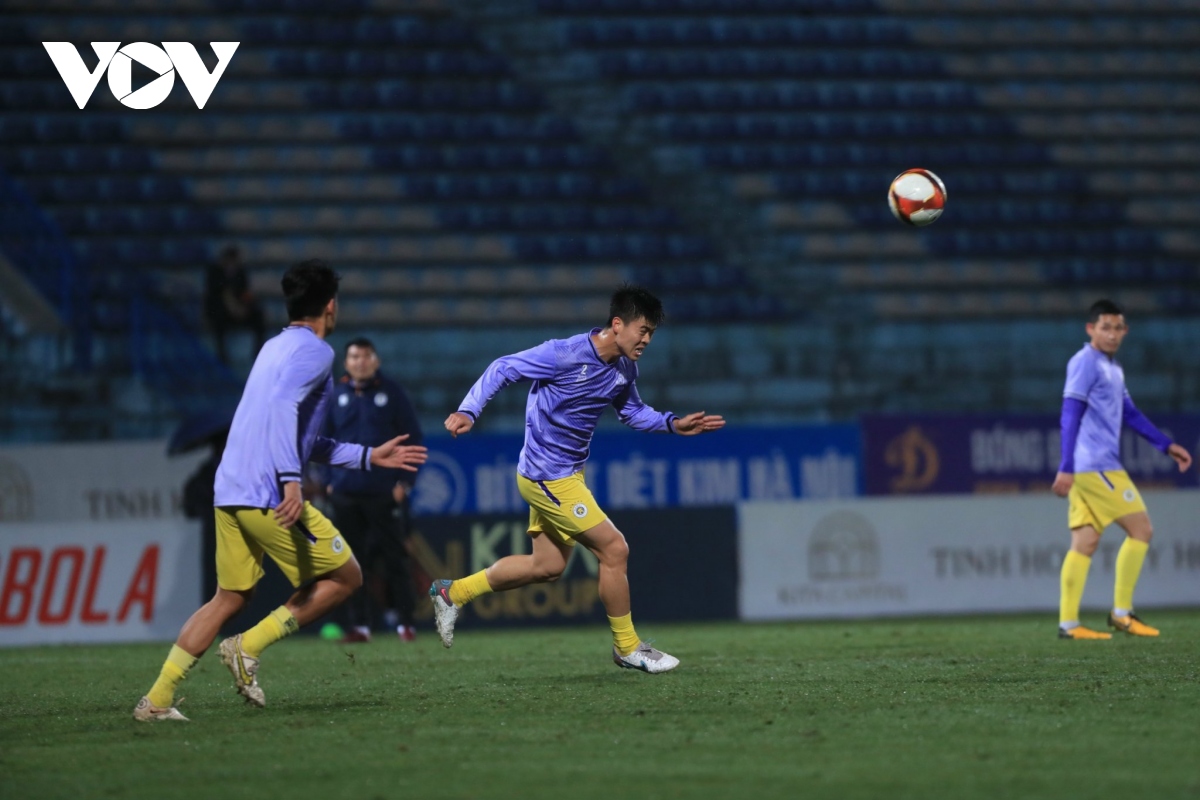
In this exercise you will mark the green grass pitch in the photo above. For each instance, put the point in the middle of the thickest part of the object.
(957, 708)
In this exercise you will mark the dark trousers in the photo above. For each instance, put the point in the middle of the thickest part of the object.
(375, 528)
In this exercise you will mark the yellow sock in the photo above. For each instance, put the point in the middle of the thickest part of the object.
(276, 625)
(464, 590)
(625, 638)
(174, 669)
(1074, 576)
(1129, 566)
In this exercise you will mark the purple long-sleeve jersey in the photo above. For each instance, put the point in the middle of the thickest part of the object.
(571, 388)
(276, 428)
(1095, 405)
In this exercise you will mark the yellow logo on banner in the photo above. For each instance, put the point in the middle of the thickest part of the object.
(916, 458)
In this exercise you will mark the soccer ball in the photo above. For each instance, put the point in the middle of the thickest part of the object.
(917, 197)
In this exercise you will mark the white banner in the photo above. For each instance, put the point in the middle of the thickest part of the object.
(932, 555)
(93, 481)
(97, 582)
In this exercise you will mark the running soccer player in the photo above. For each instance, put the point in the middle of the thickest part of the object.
(275, 432)
(574, 380)
(1095, 404)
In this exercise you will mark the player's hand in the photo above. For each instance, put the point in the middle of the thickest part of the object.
(288, 512)
(1182, 457)
(1063, 482)
(698, 422)
(394, 455)
(399, 493)
(459, 422)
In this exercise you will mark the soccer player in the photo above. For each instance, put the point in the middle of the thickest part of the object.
(574, 380)
(275, 432)
(1095, 404)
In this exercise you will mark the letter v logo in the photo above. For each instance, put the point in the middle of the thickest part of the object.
(196, 77)
(74, 72)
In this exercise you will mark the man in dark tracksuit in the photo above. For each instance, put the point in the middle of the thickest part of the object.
(370, 507)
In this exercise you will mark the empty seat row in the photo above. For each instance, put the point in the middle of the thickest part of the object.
(857, 182)
(433, 97)
(832, 125)
(406, 31)
(659, 65)
(41, 160)
(706, 32)
(557, 217)
(67, 130)
(490, 157)
(1037, 242)
(594, 7)
(148, 252)
(532, 187)
(122, 221)
(765, 97)
(1010, 211)
(1151, 270)
(613, 247)
(100, 190)
(368, 63)
(461, 128)
(754, 157)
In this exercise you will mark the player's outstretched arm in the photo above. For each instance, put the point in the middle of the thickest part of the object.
(458, 422)
(394, 455)
(698, 422)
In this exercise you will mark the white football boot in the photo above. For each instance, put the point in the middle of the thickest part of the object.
(145, 711)
(445, 612)
(647, 659)
(244, 668)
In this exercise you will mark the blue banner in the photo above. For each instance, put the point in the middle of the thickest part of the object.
(947, 454)
(476, 474)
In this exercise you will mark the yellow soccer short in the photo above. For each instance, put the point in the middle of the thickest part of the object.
(1100, 498)
(562, 508)
(310, 548)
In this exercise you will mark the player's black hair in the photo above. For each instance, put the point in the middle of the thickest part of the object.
(1101, 308)
(631, 302)
(307, 288)
(361, 341)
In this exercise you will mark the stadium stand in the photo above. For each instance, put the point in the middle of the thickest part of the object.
(482, 173)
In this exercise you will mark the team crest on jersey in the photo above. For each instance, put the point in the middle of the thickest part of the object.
(621, 379)
(343, 400)
(579, 510)
(381, 399)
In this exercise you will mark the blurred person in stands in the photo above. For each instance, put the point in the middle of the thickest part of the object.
(1095, 406)
(258, 504)
(371, 508)
(229, 303)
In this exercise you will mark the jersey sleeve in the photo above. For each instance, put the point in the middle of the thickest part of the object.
(306, 370)
(340, 454)
(1081, 376)
(639, 416)
(1073, 410)
(535, 364)
(1136, 420)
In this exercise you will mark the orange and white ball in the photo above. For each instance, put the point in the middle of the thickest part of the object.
(917, 197)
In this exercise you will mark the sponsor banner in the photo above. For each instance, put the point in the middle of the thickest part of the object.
(477, 474)
(93, 481)
(97, 582)
(682, 566)
(936, 454)
(887, 556)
